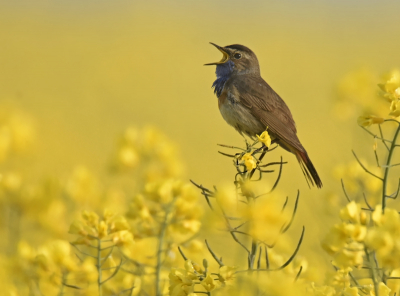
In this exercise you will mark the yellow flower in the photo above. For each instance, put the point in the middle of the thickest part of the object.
(247, 187)
(391, 87)
(25, 251)
(226, 198)
(341, 278)
(107, 215)
(189, 266)
(226, 274)
(128, 157)
(181, 282)
(384, 237)
(394, 285)
(187, 226)
(351, 212)
(103, 229)
(197, 268)
(381, 241)
(351, 255)
(123, 237)
(336, 243)
(397, 92)
(368, 120)
(356, 232)
(335, 239)
(390, 220)
(383, 290)
(266, 214)
(119, 223)
(249, 161)
(60, 253)
(78, 227)
(350, 291)
(91, 218)
(265, 138)
(395, 108)
(162, 191)
(87, 272)
(208, 283)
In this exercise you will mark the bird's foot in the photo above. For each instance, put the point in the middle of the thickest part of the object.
(263, 148)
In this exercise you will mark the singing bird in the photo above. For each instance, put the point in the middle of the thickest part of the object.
(251, 106)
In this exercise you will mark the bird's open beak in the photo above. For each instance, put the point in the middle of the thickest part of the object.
(225, 56)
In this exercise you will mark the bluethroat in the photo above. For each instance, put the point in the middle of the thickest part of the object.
(250, 105)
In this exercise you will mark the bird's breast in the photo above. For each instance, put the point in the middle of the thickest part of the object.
(222, 98)
(238, 115)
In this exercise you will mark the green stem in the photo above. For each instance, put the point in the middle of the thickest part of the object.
(160, 249)
(374, 276)
(99, 279)
(251, 201)
(63, 278)
(387, 168)
(254, 247)
(254, 243)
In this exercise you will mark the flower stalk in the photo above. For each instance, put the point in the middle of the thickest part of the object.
(393, 145)
(160, 250)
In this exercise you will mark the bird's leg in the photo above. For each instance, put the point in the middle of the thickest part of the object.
(264, 148)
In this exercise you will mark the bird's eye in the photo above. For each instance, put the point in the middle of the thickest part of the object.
(237, 56)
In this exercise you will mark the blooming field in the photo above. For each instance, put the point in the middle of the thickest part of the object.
(139, 234)
(111, 180)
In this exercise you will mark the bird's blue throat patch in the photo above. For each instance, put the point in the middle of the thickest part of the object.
(223, 72)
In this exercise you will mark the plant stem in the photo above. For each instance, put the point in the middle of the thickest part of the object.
(373, 272)
(62, 284)
(254, 244)
(161, 236)
(251, 201)
(254, 247)
(387, 168)
(99, 279)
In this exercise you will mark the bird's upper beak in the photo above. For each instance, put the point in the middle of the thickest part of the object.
(225, 56)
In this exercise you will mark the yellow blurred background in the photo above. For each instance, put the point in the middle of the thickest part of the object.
(85, 70)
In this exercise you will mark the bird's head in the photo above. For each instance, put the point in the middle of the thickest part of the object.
(236, 59)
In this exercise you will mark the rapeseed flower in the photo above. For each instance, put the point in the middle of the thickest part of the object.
(208, 283)
(226, 274)
(264, 138)
(395, 108)
(391, 88)
(369, 120)
(249, 161)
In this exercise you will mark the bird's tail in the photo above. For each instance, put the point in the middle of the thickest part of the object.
(308, 168)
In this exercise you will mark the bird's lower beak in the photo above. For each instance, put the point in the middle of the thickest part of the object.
(225, 56)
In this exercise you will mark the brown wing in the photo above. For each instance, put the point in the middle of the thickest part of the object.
(268, 107)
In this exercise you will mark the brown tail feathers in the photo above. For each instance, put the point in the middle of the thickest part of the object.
(308, 169)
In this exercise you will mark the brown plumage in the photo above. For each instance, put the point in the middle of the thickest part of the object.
(250, 105)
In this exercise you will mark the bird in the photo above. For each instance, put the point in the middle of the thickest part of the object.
(251, 106)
